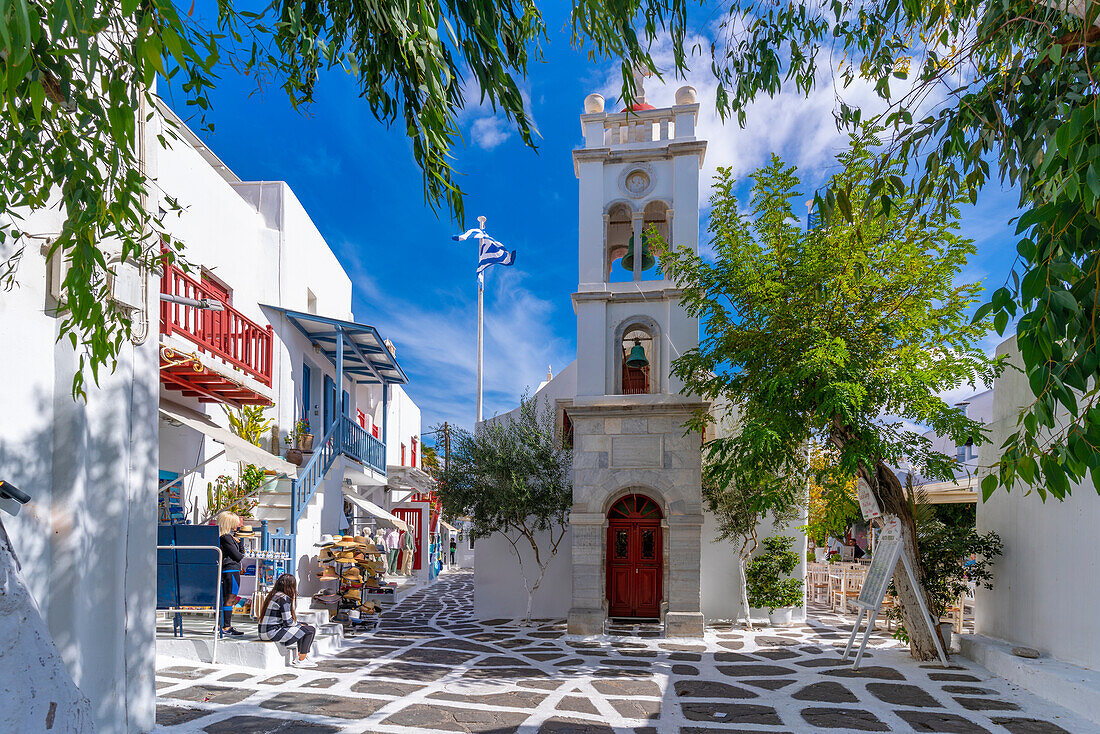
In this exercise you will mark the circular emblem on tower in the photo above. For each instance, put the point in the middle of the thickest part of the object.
(637, 181)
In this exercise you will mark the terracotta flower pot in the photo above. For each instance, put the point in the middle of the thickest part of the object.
(294, 456)
(305, 442)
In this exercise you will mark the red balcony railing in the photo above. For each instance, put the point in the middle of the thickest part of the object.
(228, 334)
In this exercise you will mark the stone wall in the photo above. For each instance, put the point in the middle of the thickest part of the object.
(636, 444)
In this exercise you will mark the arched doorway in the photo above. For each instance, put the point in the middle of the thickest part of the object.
(634, 558)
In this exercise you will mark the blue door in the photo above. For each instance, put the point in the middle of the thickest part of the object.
(306, 377)
(345, 404)
(330, 402)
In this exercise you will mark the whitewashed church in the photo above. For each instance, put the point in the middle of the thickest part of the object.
(640, 544)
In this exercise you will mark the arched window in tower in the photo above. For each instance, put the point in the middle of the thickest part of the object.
(656, 217)
(637, 361)
(619, 231)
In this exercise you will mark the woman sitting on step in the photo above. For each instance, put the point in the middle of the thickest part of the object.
(279, 623)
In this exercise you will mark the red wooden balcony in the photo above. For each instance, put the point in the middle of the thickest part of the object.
(239, 344)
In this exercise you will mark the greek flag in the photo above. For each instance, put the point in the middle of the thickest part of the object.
(489, 253)
(493, 253)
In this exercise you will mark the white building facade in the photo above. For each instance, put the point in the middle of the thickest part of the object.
(273, 326)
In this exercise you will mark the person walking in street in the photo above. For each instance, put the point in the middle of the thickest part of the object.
(279, 622)
(454, 547)
(232, 553)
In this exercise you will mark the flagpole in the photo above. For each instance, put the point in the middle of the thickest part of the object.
(480, 321)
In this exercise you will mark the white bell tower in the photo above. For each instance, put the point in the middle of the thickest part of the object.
(638, 169)
(637, 505)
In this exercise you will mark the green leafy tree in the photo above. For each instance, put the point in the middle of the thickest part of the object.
(824, 333)
(513, 478)
(76, 90)
(833, 506)
(970, 92)
(769, 583)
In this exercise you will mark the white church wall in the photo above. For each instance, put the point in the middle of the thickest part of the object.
(498, 584)
(1044, 593)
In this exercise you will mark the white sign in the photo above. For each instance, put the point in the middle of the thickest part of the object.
(868, 505)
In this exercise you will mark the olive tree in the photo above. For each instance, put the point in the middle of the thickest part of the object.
(513, 477)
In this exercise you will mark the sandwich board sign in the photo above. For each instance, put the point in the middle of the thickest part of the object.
(888, 550)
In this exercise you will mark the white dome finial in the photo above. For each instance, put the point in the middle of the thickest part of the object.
(593, 104)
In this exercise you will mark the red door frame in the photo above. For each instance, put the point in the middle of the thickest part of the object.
(635, 559)
(413, 518)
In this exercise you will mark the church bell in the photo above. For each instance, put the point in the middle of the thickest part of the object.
(637, 358)
(648, 261)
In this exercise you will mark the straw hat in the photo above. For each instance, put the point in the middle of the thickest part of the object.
(353, 594)
(328, 574)
(347, 541)
(372, 548)
(345, 557)
(352, 574)
(361, 540)
(326, 597)
(372, 582)
(326, 541)
(246, 531)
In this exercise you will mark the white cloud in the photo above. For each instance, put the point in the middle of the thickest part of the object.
(435, 335)
(489, 132)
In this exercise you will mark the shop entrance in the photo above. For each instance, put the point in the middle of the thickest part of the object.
(634, 558)
(411, 516)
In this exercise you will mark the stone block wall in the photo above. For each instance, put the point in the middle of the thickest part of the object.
(636, 444)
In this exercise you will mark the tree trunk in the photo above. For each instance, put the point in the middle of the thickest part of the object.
(891, 495)
(744, 590)
(892, 500)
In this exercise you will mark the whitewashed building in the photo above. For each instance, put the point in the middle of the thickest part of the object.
(639, 543)
(268, 322)
(1044, 592)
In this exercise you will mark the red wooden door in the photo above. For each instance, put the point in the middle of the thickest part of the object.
(411, 516)
(634, 558)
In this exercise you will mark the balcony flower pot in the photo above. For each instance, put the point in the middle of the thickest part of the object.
(294, 456)
(781, 617)
(304, 442)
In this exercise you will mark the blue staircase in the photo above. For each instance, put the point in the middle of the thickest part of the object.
(346, 437)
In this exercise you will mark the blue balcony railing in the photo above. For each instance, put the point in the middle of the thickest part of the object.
(361, 445)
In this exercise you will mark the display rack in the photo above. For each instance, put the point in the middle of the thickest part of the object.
(358, 568)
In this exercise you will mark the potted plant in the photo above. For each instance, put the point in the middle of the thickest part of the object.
(298, 440)
(769, 585)
(303, 439)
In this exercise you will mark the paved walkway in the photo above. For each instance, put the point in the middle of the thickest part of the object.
(431, 668)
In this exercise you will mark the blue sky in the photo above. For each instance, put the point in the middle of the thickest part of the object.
(357, 180)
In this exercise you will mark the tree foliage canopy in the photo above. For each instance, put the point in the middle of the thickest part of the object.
(513, 474)
(971, 92)
(824, 332)
(76, 81)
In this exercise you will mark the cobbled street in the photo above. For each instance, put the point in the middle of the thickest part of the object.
(431, 667)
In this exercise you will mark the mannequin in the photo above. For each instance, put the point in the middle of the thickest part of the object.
(410, 551)
(393, 548)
